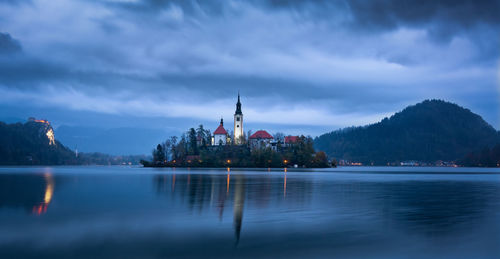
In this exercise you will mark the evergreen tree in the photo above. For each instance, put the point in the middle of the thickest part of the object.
(158, 155)
(193, 146)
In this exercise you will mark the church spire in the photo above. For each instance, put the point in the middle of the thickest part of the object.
(238, 105)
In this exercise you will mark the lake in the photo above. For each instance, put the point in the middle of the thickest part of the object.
(349, 212)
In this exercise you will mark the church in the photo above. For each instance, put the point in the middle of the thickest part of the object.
(260, 139)
(221, 136)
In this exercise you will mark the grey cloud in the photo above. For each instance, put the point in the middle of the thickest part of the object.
(460, 13)
(8, 45)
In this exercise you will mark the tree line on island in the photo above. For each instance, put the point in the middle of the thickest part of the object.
(194, 149)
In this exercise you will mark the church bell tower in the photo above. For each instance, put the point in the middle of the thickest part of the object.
(238, 123)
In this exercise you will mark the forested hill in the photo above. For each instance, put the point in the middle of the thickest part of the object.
(428, 131)
(34, 143)
(31, 143)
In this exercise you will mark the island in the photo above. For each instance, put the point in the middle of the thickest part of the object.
(202, 148)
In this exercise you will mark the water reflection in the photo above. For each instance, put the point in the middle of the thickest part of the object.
(253, 214)
(207, 192)
(239, 200)
(429, 207)
(31, 192)
(49, 190)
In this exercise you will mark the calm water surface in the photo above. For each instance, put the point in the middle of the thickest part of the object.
(122, 212)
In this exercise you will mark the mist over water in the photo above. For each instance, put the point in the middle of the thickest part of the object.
(120, 212)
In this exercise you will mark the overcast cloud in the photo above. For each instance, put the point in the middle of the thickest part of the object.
(321, 64)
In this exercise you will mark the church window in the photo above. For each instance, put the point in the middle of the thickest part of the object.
(237, 118)
(237, 126)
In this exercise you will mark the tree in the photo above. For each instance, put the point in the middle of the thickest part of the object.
(182, 147)
(174, 149)
(167, 147)
(193, 145)
(158, 154)
(202, 134)
(279, 136)
(208, 137)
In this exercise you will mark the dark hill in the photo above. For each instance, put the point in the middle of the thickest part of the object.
(28, 144)
(429, 131)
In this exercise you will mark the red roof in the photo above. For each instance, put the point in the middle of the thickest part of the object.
(291, 139)
(220, 130)
(261, 134)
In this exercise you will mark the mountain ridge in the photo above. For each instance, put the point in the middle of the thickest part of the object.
(428, 131)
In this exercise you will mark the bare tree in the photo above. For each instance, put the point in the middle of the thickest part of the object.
(279, 136)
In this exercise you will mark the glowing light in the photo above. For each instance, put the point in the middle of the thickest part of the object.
(228, 180)
(228, 161)
(50, 136)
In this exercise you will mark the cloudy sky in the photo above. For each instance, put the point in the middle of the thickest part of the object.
(310, 66)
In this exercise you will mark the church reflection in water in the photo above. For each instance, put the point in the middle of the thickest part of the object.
(33, 193)
(218, 192)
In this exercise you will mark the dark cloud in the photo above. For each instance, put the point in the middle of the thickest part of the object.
(391, 13)
(8, 45)
(17, 2)
(442, 19)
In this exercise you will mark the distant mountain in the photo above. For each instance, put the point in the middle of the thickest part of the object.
(32, 143)
(429, 131)
(12, 119)
(115, 141)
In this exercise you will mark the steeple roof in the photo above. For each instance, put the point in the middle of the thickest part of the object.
(238, 106)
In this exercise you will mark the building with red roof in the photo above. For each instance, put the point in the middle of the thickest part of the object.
(260, 139)
(291, 140)
(261, 134)
(220, 135)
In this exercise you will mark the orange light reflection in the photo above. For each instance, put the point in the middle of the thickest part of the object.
(49, 191)
(284, 186)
